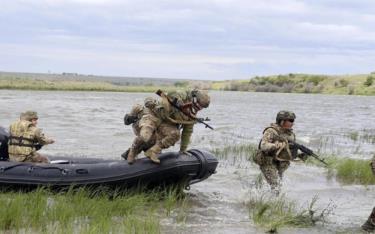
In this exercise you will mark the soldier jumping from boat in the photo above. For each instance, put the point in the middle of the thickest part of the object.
(162, 120)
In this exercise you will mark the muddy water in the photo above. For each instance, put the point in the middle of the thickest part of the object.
(87, 124)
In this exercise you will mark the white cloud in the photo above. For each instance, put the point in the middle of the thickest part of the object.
(213, 38)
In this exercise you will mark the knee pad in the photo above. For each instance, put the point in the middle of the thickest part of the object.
(147, 133)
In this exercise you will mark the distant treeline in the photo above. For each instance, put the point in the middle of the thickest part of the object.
(290, 83)
(303, 83)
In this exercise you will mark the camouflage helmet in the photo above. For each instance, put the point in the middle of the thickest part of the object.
(150, 102)
(284, 115)
(202, 97)
(29, 115)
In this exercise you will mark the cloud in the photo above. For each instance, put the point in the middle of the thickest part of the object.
(213, 39)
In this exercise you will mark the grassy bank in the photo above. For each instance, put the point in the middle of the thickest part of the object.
(66, 85)
(350, 171)
(304, 83)
(85, 211)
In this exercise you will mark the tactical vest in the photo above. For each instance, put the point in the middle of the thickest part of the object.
(284, 154)
(22, 138)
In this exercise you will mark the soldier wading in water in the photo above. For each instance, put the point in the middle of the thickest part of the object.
(275, 150)
(369, 225)
(158, 123)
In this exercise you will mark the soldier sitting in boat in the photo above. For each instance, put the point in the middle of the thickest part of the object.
(162, 120)
(25, 139)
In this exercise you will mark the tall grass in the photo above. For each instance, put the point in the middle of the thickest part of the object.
(272, 213)
(87, 211)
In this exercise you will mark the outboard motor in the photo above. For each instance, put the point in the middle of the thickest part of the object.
(4, 136)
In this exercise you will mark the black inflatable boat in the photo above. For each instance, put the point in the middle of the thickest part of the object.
(93, 172)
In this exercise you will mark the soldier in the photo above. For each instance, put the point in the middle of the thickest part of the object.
(133, 118)
(163, 121)
(24, 139)
(274, 152)
(4, 136)
(369, 225)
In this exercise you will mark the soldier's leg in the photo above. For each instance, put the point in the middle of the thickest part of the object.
(369, 225)
(270, 172)
(167, 136)
(147, 127)
(281, 167)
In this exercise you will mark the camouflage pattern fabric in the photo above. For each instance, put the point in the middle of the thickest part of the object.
(369, 225)
(274, 161)
(161, 122)
(23, 136)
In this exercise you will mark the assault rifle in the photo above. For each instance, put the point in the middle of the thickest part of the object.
(307, 151)
(160, 93)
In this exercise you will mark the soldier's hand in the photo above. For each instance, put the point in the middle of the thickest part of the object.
(51, 141)
(280, 145)
(184, 152)
(129, 119)
(303, 156)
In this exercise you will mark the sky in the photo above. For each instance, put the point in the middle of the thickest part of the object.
(195, 39)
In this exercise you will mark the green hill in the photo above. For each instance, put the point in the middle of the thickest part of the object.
(304, 83)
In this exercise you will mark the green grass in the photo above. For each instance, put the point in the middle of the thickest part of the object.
(65, 85)
(87, 211)
(303, 83)
(273, 213)
(347, 170)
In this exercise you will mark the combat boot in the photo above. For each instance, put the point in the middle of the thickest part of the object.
(152, 152)
(125, 154)
(369, 225)
(131, 156)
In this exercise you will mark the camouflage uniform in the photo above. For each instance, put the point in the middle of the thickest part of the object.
(133, 118)
(4, 136)
(369, 225)
(163, 121)
(274, 153)
(24, 137)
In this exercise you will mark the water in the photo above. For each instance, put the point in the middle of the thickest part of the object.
(90, 124)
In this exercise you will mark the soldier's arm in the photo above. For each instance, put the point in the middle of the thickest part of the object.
(269, 142)
(187, 130)
(41, 138)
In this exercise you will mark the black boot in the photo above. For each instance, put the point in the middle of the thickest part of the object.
(369, 225)
(125, 154)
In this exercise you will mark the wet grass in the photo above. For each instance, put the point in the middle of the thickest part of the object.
(347, 170)
(77, 85)
(87, 211)
(273, 213)
(230, 151)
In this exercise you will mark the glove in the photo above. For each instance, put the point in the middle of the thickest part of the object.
(303, 156)
(129, 119)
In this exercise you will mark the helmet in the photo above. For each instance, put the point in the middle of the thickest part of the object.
(201, 98)
(29, 115)
(284, 115)
(150, 102)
